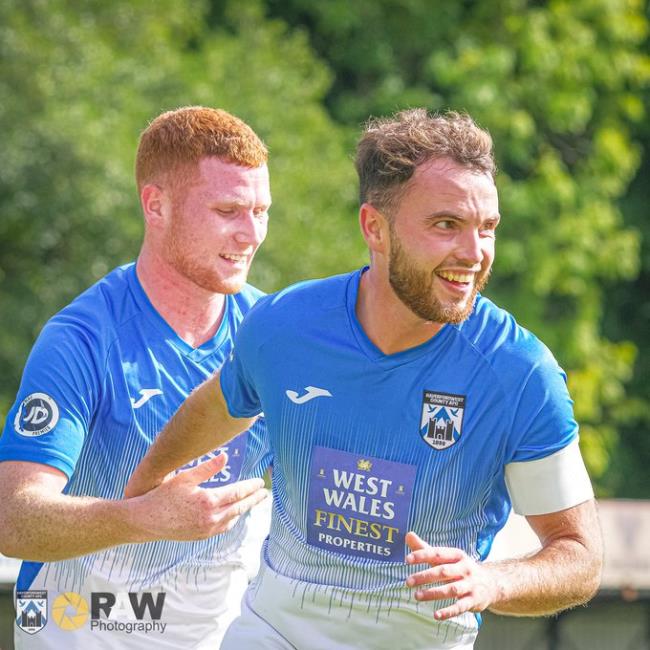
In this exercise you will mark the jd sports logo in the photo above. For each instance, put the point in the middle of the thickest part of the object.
(312, 393)
(146, 395)
(37, 414)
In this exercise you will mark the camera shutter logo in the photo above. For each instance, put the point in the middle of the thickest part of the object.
(70, 611)
(37, 414)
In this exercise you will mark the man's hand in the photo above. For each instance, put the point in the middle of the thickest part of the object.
(462, 577)
(179, 509)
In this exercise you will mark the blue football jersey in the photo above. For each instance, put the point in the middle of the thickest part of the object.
(103, 378)
(368, 446)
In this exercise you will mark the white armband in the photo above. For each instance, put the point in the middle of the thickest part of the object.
(550, 484)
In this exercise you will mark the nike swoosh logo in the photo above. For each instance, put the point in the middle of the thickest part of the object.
(147, 394)
(312, 392)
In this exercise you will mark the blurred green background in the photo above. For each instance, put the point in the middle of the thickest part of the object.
(561, 85)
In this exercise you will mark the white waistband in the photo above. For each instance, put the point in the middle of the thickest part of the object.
(318, 616)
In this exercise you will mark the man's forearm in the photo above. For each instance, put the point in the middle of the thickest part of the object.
(562, 575)
(200, 425)
(60, 526)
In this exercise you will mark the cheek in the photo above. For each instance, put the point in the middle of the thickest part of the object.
(488, 252)
(261, 231)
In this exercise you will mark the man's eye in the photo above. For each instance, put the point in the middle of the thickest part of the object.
(489, 227)
(445, 224)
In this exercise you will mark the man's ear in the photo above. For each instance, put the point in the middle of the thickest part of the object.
(153, 200)
(374, 228)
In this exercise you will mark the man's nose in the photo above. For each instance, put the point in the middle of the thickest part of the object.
(248, 229)
(469, 248)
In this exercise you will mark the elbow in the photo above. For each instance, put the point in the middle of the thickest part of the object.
(9, 544)
(12, 540)
(591, 578)
(9, 550)
(594, 577)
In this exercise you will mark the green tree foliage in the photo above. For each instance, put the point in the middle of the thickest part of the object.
(627, 311)
(80, 80)
(558, 85)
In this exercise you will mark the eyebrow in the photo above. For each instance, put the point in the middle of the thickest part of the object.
(445, 214)
(231, 200)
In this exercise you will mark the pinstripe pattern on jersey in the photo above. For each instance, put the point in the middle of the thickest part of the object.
(135, 349)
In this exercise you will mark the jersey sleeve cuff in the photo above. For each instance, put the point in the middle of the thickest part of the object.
(549, 484)
(20, 454)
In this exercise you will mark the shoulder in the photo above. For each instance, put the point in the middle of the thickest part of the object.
(323, 294)
(504, 344)
(97, 313)
(294, 307)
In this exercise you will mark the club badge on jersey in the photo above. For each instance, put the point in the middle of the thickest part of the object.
(31, 610)
(442, 419)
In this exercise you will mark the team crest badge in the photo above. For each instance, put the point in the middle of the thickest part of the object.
(442, 419)
(31, 610)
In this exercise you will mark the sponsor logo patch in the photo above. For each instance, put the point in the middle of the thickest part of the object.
(359, 505)
(31, 610)
(38, 414)
(442, 419)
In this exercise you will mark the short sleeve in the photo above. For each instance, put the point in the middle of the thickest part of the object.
(56, 400)
(545, 472)
(543, 420)
(238, 381)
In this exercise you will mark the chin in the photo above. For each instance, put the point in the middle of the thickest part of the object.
(218, 284)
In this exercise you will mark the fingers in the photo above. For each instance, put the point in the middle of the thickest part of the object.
(461, 606)
(203, 471)
(456, 589)
(439, 573)
(229, 516)
(415, 542)
(434, 555)
(238, 491)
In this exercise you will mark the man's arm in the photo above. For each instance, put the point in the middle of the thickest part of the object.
(565, 572)
(201, 424)
(39, 523)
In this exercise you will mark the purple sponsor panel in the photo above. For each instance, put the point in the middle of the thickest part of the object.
(359, 505)
(236, 450)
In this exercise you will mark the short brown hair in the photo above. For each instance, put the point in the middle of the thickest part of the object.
(177, 140)
(391, 149)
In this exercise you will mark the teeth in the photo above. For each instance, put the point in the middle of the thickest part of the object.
(233, 257)
(456, 277)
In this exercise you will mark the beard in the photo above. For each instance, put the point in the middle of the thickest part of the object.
(414, 287)
(188, 262)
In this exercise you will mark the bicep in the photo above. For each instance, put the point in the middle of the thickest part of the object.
(578, 523)
(20, 480)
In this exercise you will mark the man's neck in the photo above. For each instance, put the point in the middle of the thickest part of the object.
(192, 312)
(386, 320)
